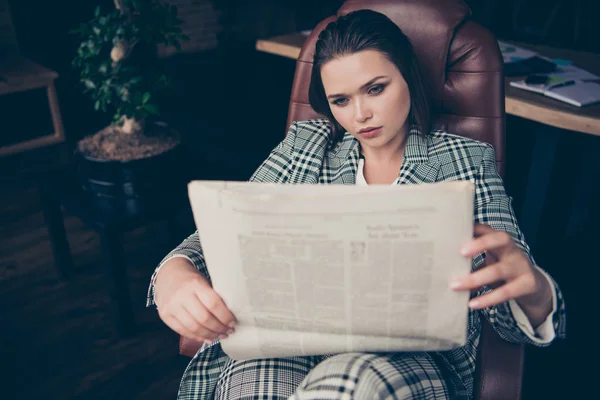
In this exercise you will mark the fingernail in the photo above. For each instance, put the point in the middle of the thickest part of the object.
(464, 251)
(474, 304)
(222, 336)
(208, 341)
(231, 325)
(455, 284)
(229, 332)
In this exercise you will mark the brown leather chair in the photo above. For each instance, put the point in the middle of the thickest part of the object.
(463, 65)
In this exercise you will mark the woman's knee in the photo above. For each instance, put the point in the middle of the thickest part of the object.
(372, 376)
(335, 377)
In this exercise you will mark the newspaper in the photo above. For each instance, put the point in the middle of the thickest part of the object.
(323, 269)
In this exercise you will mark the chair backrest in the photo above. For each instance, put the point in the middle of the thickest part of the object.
(463, 65)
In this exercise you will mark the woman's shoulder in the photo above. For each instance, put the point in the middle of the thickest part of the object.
(443, 144)
(312, 123)
(311, 128)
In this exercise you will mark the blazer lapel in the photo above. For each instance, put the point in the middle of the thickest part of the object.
(416, 166)
(341, 162)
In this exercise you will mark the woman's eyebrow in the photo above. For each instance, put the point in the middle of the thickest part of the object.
(362, 87)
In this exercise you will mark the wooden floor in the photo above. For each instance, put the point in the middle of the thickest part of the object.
(57, 336)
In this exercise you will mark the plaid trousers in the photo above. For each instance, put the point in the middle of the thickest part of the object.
(414, 375)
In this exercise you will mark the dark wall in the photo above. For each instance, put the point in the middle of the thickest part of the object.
(557, 23)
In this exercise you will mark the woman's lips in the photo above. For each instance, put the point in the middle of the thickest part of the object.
(371, 133)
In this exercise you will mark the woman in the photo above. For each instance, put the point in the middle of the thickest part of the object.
(367, 81)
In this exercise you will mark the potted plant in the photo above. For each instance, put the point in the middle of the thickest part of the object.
(119, 69)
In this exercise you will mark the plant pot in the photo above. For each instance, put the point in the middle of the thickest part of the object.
(130, 187)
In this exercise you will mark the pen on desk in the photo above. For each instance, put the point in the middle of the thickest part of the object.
(561, 84)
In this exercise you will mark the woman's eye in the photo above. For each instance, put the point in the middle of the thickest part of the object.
(376, 89)
(340, 102)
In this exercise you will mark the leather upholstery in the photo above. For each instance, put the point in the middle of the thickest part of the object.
(188, 347)
(464, 69)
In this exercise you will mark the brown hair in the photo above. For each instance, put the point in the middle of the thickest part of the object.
(369, 30)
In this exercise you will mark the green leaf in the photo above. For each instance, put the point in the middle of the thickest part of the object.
(145, 97)
(137, 98)
(89, 84)
(151, 108)
(97, 12)
(97, 105)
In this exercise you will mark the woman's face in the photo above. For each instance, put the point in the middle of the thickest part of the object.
(368, 97)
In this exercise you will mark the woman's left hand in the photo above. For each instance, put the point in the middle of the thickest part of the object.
(508, 271)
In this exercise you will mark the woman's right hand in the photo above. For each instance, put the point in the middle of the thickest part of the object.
(189, 305)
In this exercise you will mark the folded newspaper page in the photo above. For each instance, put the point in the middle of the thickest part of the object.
(323, 269)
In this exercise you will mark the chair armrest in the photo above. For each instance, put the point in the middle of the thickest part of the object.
(188, 347)
(499, 366)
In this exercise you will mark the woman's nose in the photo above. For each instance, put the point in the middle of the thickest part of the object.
(361, 111)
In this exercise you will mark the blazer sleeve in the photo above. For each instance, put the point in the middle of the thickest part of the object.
(276, 168)
(493, 207)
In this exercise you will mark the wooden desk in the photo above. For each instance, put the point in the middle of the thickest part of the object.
(285, 45)
(521, 103)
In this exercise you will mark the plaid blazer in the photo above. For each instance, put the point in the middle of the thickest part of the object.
(305, 156)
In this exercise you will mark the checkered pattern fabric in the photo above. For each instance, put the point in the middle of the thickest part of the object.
(305, 156)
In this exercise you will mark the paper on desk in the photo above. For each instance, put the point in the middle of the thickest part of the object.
(565, 69)
(562, 74)
(568, 72)
(512, 53)
(320, 269)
